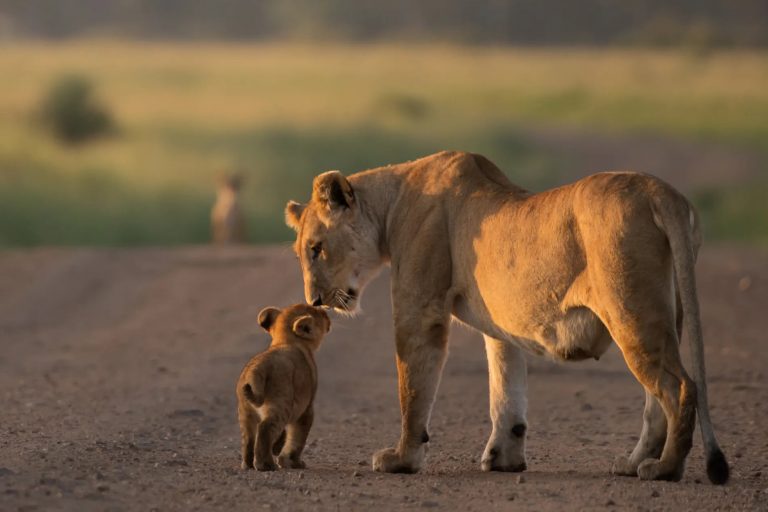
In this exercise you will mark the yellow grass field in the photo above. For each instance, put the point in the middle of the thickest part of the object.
(283, 112)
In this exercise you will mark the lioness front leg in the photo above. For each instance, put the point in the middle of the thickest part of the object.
(421, 354)
(507, 383)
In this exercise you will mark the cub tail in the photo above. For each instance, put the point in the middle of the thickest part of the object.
(253, 390)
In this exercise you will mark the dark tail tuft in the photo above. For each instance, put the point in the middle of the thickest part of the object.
(717, 468)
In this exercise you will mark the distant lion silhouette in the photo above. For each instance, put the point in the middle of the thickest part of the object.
(227, 219)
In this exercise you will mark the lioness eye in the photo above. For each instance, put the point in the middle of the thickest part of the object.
(316, 250)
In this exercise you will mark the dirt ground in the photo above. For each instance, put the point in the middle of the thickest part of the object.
(118, 368)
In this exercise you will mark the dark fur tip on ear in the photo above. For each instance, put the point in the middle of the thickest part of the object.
(293, 212)
(267, 317)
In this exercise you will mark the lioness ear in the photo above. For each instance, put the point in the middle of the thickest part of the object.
(332, 189)
(267, 317)
(304, 327)
(293, 211)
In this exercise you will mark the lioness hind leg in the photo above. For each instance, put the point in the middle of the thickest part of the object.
(507, 383)
(658, 368)
(651, 442)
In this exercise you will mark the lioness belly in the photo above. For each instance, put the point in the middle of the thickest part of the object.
(579, 335)
(575, 335)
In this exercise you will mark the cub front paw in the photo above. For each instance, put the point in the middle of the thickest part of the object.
(390, 461)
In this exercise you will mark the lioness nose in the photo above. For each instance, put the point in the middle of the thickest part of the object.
(318, 301)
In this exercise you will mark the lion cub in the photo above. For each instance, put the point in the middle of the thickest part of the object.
(277, 387)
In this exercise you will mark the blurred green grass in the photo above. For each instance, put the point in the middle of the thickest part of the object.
(283, 113)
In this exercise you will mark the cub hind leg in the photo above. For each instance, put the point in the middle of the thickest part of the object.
(278, 446)
(249, 423)
(296, 439)
(268, 434)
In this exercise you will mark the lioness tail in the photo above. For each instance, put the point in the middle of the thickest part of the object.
(678, 221)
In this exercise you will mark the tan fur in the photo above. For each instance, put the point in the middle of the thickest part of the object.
(276, 389)
(227, 218)
(564, 272)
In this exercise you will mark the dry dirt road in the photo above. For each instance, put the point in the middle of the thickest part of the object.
(118, 367)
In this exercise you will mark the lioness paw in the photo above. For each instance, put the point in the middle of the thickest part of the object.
(504, 455)
(623, 466)
(389, 461)
(493, 463)
(655, 469)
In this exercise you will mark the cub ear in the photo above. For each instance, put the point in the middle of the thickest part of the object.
(293, 211)
(304, 327)
(327, 322)
(333, 190)
(267, 317)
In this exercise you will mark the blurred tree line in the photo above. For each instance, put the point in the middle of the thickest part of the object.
(520, 22)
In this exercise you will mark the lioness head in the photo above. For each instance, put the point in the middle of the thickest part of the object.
(300, 320)
(337, 249)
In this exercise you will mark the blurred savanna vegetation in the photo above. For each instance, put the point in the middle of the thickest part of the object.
(281, 112)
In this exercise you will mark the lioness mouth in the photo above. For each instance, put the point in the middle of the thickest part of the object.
(342, 300)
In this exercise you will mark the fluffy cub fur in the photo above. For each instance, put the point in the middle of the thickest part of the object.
(276, 388)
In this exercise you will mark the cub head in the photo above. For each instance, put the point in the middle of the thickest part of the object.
(337, 247)
(299, 321)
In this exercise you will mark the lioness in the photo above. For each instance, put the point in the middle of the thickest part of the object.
(276, 388)
(563, 272)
